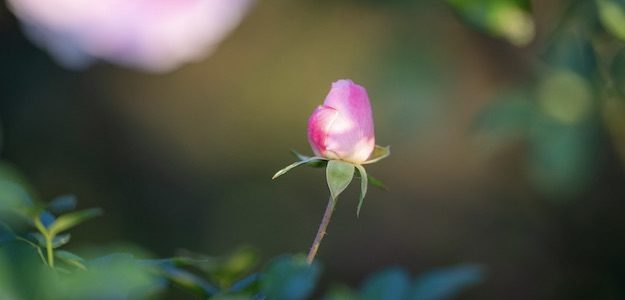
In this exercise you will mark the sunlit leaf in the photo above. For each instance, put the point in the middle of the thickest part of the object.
(70, 220)
(338, 175)
(289, 278)
(612, 16)
(508, 19)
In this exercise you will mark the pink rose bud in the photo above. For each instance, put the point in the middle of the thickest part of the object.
(342, 128)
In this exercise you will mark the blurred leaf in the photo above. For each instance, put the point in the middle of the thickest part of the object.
(341, 293)
(363, 187)
(6, 234)
(46, 218)
(57, 241)
(376, 182)
(562, 156)
(70, 259)
(509, 19)
(189, 281)
(235, 266)
(296, 164)
(60, 240)
(445, 283)
(62, 204)
(67, 221)
(508, 115)
(617, 72)
(289, 278)
(338, 175)
(379, 153)
(572, 50)
(390, 284)
(116, 276)
(612, 16)
(249, 284)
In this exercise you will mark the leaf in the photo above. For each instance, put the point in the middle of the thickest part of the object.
(70, 220)
(322, 162)
(46, 218)
(289, 278)
(363, 187)
(612, 16)
(508, 19)
(295, 164)
(379, 153)
(445, 283)
(338, 175)
(70, 259)
(189, 281)
(6, 234)
(61, 240)
(63, 203)
(377, 183)
(58, 241)
(391, 284)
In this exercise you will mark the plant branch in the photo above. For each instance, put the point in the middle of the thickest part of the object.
(322, 230)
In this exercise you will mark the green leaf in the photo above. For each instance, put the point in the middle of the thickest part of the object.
(363, 187)
(376, 182)
(63, 203)
(296, 164)
(289, 278)
(379, 153)
(392, 283)
(61, 240)
(612, 16)
(338, 175)
(446, 283)
(508, 19)
(6, 234)
(70, 259)
(70, 220)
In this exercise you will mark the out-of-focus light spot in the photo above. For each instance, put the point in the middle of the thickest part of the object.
(565, 96)
(152, 35)
(612, 16)
(515, 24)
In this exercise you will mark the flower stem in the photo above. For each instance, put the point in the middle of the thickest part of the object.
(322, 230)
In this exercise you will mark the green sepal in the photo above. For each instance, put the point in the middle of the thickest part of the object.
(320, 163)
(296, 164)
(379, 153)
(338, 175)
(363, 187)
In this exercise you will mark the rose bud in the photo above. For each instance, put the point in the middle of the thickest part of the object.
(342, 128)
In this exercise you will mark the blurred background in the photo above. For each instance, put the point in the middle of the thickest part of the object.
(506, 121)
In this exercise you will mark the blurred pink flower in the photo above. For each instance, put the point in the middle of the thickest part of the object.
(342, 128)
(153, 35)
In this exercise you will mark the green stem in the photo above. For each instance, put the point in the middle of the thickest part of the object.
(322, 230)
(49, 250)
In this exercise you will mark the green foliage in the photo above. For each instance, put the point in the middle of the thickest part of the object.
(508, 19)
(612, 16)
(289, 278)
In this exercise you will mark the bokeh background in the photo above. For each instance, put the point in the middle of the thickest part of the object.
(505, 142)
